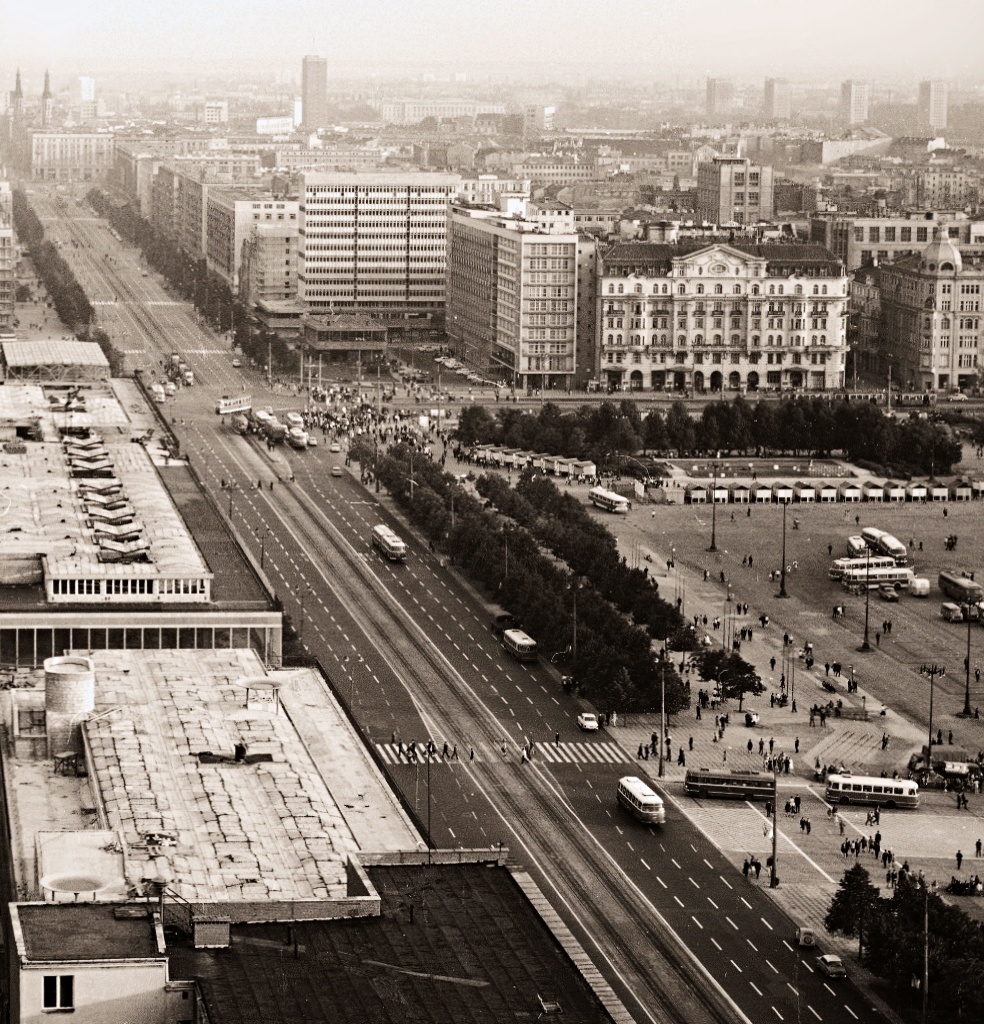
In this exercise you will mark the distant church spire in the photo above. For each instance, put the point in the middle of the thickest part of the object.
(47, 102)
(18, 92)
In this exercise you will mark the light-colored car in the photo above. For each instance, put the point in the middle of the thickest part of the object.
(587, 721)
(831, 965)
(237, 363)
(335, 447)
(956, 396)
(312, 441)
(336, 470)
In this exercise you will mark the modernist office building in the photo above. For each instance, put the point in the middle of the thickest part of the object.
(377, 244)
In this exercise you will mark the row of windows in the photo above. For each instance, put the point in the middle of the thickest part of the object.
(126, 586)
(888, 234)
(718, 289)
(717, 339)
(718, 358)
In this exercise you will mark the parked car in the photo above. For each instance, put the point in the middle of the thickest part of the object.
(887, 592)
(831, 965)
(587, 721)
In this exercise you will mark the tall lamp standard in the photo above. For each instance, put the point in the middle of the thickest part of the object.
(662, 709)
(782, 568)
(932, 671)
(713, 547)
(966, 713)
(774, 868)
(865, 645)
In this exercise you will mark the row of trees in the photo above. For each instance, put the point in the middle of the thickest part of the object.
(67, 296)
(190, 277)
(617, 666)
(893, 935)
(797, 426)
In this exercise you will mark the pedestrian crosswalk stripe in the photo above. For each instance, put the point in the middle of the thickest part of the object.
(553, 753)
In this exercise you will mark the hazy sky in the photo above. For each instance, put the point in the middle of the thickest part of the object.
(896, 39)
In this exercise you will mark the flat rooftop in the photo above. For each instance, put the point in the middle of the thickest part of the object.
(159, 752)
(70, 932)
(453, 943)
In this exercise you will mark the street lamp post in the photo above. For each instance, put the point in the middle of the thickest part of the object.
(865, 645)
(966, 713)
(713, 547)
(774, 869)
(782, 568)
(932, 671)
(263, 534)
(662, 712)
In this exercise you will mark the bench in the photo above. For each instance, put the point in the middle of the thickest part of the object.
(852, 714)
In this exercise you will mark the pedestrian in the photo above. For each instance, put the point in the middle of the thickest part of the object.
(977, 848)
(877, 639)
(691, 743)
(557, 739)
(959, 859)
(471, 754)
(444, 751)
(750, 745)
(454, 752)
(830, 549)
(796, 746)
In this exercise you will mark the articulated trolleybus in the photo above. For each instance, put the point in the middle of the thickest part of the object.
(640, 801)
(387, 542)
(872, 789)
(885, 544)
(609, 500)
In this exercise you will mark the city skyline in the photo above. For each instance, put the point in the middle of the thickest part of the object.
(886, 37)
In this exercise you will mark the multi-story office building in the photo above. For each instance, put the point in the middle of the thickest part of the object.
(376, 244)
(858, 241)
(947, 188)
(729, 316)
(719, 97)
(776, 103)
(410, 111)
(537, 119)
(314, 93)
(215, 112)
(855, 97)
(70, 156)
(733, 190)
(513, 294)
(7, 278)
(268, 272)
(231, 214)
(931, 315)
(932, 106)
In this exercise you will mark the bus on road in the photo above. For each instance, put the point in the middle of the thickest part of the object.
(885, 544)
(609, 500)
(896, 576)
(388, 543)
(872, 789)
(736, 784)
(839, 566)
(961, 589)
(640, 801)
(519, 645)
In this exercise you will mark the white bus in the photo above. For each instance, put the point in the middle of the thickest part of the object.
(872, 789)
(386, 541)
(898, 576)
(885, 544)
(519, 645)
(856, 547)
(608, 500)
(640, 801)
(839, 566)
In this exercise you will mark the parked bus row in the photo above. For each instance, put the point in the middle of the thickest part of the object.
(839, 789)
(883, 543)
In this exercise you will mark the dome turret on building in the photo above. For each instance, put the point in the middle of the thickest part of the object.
(941, 256)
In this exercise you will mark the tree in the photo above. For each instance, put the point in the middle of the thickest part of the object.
(735, 675)
(853, 901)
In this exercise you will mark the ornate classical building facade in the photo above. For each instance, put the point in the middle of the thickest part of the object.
(725, 316)
(931, 316)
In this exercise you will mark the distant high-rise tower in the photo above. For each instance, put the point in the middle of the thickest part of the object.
(314, 92)
(47, 102)
(719, 97)
(854, 101)
(776, 106)
(17, 97)
(932, 106)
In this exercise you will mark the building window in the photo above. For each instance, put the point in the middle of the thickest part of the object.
(59, 992)
(922, 234)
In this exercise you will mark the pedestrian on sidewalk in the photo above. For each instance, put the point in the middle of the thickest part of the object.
(959, 859)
